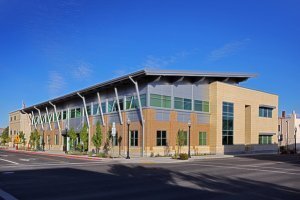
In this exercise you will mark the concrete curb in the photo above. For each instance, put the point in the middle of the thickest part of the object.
(55, 155)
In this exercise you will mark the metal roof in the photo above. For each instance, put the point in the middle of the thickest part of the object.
(140, 74)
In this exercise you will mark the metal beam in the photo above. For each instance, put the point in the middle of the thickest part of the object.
(118, 104)
(40, 117)
(49, 119)
(33, 121)
(87, 119)
(100, 108)
(55, 111)
(141, 113)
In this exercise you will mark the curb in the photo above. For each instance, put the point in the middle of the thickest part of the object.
(55, 155)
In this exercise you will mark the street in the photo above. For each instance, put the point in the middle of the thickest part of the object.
(27, 176)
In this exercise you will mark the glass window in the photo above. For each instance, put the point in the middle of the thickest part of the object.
(178, 103)
(161, 138)
(201, 106)
(134, 139)
(56, 139)
(89, 110)
(228, 123)
(78, 112)
(160, 101)
(143, 98)
(112, 106)
(265, 112)
(265, 139)
(64, 115)
(202, 138)
(72, 113)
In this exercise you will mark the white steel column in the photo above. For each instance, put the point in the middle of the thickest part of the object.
(100, 106)
(33, 121)
(141, 113)
(49, 119)
(118, 104)
(55, 111)
(87, 119)
(40, 117)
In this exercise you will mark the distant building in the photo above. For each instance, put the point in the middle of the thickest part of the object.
(18, 122)
(1, 131)
(222, 117)
(288, 126)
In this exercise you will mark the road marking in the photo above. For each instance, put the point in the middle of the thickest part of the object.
(3, 155)
(6, 196)
(9, 161)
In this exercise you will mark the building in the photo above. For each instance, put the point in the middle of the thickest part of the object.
(288, 128)
(222, 116)
(1, 131)
(18, 122)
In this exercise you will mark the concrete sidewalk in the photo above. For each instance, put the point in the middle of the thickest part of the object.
(142, 160)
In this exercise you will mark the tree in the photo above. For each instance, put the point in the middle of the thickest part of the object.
(34, 139)
(73, 137)
(97, 137)
(22, 138)
(84, 137)
(180, 140)
(5, 136)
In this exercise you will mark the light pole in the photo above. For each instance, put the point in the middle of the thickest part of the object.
(66, 141)
(295, 140)
(189, 152)
(287, 136)
(128, 139)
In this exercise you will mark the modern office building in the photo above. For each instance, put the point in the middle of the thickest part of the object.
(152, 106)
(18, 122)
(289, 129)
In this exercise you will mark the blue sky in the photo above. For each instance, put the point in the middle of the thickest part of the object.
(49, 48)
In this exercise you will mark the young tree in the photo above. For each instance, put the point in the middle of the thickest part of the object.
(180, 140)
(34, 139)
(97, 137)
(84, 137)
(73, 136)
(5, 136)
(22, 138)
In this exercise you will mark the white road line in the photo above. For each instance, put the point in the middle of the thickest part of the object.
(6, 196)
(9, 161)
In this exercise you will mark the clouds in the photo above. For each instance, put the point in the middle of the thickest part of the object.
(82, 71)
(227, 50)
(59, 81)
(56, 83)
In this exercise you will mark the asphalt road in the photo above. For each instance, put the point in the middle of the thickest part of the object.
(251, 177)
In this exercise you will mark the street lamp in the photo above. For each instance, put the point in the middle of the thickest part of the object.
(128, 140)
(189, 152)
(295, 135)
(43, 141)
(287, 135)
(66, 141)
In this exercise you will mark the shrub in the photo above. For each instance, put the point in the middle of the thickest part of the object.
(183, 156)
(152, 154)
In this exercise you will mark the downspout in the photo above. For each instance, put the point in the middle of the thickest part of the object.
(87, 119)
(141, 113)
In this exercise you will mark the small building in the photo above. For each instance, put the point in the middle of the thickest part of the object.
(18, 122)
(149, 107)
(289, 131)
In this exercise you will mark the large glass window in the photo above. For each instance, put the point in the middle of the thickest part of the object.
(78, 112)
(96, 109)
(72, 113)
(183, 104)
(265, 112)
(160, 101)
(134, 138)
(185, 136)
(64, 114)
(161, 138)
(265, 139)
(228, 116)
(202, 106)
(202, 138)
(89, 110)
